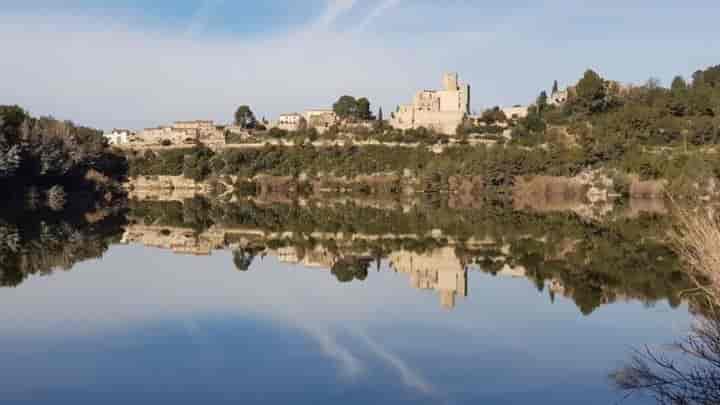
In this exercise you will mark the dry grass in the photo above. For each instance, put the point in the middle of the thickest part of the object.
(697, 242)
(647, 188)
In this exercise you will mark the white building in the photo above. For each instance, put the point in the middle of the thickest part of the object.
(119, 136)
(558, 98)
(515, 112)
(290, 122)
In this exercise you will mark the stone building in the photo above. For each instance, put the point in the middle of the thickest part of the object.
(440, 110)
(184, 133)
(321, 119)
(197, 125)
(165, 134)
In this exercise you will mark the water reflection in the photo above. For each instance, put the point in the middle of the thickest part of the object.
(42, 241)
(593, 262)
(331, 301)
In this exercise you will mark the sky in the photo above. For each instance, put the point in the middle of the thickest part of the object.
(131, 64)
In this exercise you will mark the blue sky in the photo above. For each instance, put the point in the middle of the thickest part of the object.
(134, 63)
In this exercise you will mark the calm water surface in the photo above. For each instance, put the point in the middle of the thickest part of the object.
(146, 325)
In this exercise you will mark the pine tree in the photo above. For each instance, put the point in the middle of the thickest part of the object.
(542, 101)
(555, 87)
(380, 115)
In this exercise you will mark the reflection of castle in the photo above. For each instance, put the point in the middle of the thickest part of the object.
(439, 270)
(317, 257)
(179, 240)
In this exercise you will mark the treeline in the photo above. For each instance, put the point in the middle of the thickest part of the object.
(604, 112)
(497, 166)
(610, 123)
(43, 161)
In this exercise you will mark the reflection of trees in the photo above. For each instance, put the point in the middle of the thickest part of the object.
(243, 259)
(595, 262)
(351, 268)
(689, 375)
(42, 243)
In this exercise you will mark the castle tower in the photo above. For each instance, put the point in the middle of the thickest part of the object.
(450, 81)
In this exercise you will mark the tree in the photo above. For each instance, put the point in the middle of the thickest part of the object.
(691, 378)
(346, 107)
(493, 115)
(196, 165)
(243, 259)
(363, 109)
(380, 114)
(678, 84)
(591, 87)
(555, 88)
(592, 94)
(708, 77)
(542, 101)
(349, 269)
(56, 198)
(244, 117)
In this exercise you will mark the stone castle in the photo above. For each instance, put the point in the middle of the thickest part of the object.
(440, 110)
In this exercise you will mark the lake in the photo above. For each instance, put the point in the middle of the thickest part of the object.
(324, 302)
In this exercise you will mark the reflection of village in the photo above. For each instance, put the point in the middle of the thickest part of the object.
(433, 256)
(443, 268)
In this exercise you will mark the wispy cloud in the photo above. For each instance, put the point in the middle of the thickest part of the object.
(409, 377)
(333, 10)
(350, 365)
(376, 13)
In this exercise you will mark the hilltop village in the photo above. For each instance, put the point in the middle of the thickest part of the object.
(443, 112)
(597, 139)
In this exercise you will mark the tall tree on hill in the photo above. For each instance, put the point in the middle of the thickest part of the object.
(363, 109)
(542, 101)
(708, 77)
(244, 117)
(380, 115)
(555, 88)
(678, 84)
(346, 107)
(592, 93)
